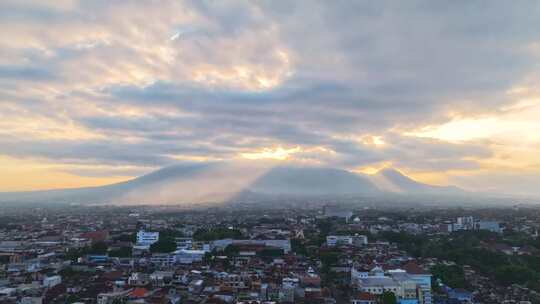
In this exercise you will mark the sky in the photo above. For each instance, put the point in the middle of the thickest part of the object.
(96, 92)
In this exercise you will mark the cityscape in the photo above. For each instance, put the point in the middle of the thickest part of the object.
(269, 152)
(326, 254)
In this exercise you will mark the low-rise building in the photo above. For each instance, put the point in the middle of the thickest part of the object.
(146, 238)
(184, 256)
(351, 240)
(50, 282)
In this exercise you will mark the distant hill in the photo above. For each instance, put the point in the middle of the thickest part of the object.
(221, 181)
(392, 180)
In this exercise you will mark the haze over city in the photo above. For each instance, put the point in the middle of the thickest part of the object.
(98, 92)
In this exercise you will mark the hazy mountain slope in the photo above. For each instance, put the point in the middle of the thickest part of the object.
(312, 181)
(394, 181)
(109, 193)
(220, 181)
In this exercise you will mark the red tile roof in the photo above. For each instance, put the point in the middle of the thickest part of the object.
(96, 236)
(413, 268)
(365, 296)
(138, 292)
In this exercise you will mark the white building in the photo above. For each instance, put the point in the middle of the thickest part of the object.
(184, 243)
(32, 300)
(288, 289)
(50, 282)
(146, 238)
(408, 285)
(464, 223)
(160, 278)
(357, 273)
(489, 226)
(423, 279)
(162, 259)
(355, 240)
(360, 240)
(195, 286)
(285, 245)
(7, 292)
(335, 240)
(110, 297)
(185, 256)
(138, 279)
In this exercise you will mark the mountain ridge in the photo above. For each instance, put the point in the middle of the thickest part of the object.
(220, 181)
(407, 184)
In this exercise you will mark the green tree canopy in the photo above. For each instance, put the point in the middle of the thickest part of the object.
(511, 274)
(298, 247)
(388, 298)
(124, 252)
(452, 276)
(163, 246)
(98, 248)
(217, 234)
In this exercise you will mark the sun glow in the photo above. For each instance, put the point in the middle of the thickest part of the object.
(373, 140)
(522, 118)
(278, 153)
(36, 174)
(460, 130)
(374, 168)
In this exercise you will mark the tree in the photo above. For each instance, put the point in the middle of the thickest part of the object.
(132, 237)
(510, 274)
(163, 246)
(208, 258)
(329, 258)
(4, 259)
(298, 247)
(325, 226)
(452, 276)
(69, 273)
(388, 298)
(124, 252)
(99, 248)
(170, 233)
(72, 299)
(216, 234)
(270, 253)
(231, 250)
(74, 253)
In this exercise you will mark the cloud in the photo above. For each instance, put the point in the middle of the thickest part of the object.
(25, 73)
(144, 84)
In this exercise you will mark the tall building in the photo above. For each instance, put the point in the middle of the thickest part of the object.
(465, 223)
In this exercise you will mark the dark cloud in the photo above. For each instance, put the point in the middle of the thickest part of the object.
(244, 76)
(110, 152)
(15, 72)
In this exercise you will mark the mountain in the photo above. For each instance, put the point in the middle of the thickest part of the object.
(110, 193)
(392, 180)
(221, 181)
(312, 181)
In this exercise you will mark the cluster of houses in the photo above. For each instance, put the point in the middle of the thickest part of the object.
(282, 257)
